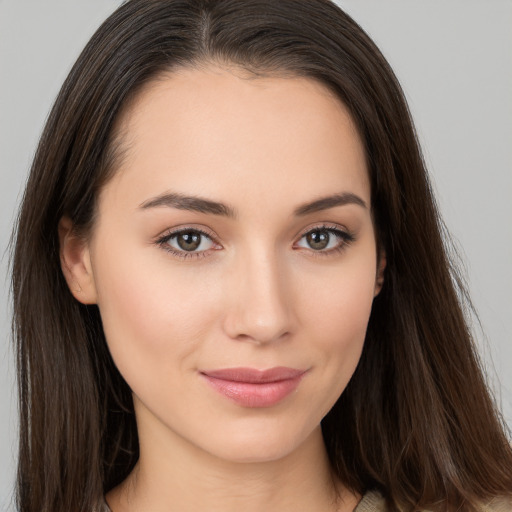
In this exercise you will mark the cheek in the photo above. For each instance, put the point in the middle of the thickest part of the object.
(337, 315)
(151, 318)
(339, 303)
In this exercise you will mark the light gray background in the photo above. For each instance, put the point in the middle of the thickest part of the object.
(454, 60)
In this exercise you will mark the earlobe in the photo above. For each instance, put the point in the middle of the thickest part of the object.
(379, 277)
(76, 263)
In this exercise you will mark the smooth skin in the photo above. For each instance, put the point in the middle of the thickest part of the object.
(259, 279)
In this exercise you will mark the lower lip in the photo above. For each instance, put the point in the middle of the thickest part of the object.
(249, 394)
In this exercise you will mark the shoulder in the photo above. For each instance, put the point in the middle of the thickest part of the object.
(502, 504)
(373, 501)
(102, 507)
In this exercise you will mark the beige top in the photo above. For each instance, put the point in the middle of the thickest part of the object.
(373, 501)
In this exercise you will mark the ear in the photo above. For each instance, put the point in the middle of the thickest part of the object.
(379, 277)
(75, 262)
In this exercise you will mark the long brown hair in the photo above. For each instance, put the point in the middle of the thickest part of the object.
(416, 420)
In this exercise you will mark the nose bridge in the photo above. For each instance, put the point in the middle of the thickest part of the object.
(260, 303)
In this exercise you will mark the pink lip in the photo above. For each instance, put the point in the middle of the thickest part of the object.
(250, 387)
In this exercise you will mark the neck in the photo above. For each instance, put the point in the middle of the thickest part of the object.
(178, 476)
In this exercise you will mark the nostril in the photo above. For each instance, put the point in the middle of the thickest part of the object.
(261, 339)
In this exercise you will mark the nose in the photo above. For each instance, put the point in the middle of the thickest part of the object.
(260, 303)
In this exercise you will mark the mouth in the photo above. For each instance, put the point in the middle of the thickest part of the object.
(253, 388)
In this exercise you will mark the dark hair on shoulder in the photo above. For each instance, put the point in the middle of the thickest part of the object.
(416, 420)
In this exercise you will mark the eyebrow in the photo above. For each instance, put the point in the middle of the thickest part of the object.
(203, 205)
(324, 203)
(190, 203)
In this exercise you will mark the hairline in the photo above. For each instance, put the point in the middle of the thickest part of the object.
(119, 144)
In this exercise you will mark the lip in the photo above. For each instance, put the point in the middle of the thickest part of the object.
(250, 387)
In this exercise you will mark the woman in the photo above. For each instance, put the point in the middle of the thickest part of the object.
(230, 285)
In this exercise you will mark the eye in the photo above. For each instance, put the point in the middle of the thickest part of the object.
(325, 239)
(187, 242)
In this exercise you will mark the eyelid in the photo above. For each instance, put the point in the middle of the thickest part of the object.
(169, 232)
(328, 226)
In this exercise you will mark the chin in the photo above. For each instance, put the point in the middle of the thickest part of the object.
(256, 444)
(253, 454)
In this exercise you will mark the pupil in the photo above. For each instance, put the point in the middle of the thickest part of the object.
(318, 239)
(189, 241)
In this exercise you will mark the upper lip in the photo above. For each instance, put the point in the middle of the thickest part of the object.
(255, 376)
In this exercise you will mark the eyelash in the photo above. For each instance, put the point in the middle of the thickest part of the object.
(345, 237)
(162, 242)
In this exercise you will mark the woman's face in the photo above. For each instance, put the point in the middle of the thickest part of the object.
(233, 260)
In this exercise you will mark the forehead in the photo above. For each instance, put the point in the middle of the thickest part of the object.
(221, 131)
